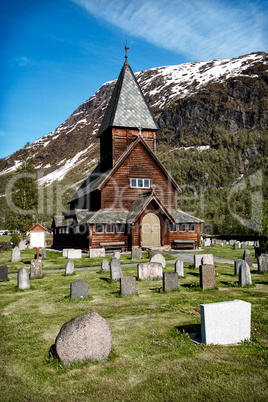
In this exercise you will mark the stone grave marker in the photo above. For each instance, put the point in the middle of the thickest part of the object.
(237, 265)
(207, 276)
(170, 281)
(22, 245)
(43, 253)
(237, 244)
(243, 245)
(16, 257)
(69, 267)
(151, 253)
(117, 254)
(3, 272)
(79, 290)
(65, 251)
(179, 267)
(244, 275)
(149, 270)
(159, 258)
(128, 286)
(105, 265)
(85, 337)
(247, 257)
(115, 269)
(263, 263)
(232, 242)
(36, 269)
(74, 253)
(96, 252)
(207, 242)
(225, 323)
(198, 260)
(207, 259)
(136, 254)
(23, 279)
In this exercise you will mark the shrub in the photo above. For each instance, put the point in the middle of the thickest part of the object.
(15, 239)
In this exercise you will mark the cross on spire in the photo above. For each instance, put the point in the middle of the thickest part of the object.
(126, 48)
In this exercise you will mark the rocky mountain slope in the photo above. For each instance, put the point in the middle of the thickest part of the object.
(200, 106)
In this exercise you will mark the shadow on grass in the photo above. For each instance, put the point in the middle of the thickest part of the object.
(193, 273)
(193, 330)
(108, 280)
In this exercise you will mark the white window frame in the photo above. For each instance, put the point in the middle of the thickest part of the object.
(189, 225)
(140, 181)
(108, 225)
(184, 230)
(173, 224)
(120, 231)
(99, 224)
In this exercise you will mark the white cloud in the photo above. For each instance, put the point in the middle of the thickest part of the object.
(199, 29)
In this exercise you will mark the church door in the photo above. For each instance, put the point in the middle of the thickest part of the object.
(151, 231)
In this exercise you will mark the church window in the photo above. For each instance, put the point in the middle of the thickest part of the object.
(182, 227)
(99, 228)
(120, 228)
(140, 183)
(173, 227)
(109, 228)
(191, 227)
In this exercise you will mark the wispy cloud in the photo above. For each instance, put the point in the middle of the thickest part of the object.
(198, 29)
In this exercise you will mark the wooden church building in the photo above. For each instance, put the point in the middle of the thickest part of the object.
(130, 199)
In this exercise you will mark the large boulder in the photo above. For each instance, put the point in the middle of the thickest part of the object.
(85, 337)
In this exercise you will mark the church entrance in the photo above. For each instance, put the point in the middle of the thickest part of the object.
(151, 231)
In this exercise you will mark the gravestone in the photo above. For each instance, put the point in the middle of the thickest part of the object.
(43, 253)
(237, 244)
(36, 269)
(207, 276)
(65, 251)
(23, 279)
(117, 254)
(237, 265)
(149, 270)
(232, 242)
(85, 337)
(243, 244)
(105, 265)
(198, 260)
(16, 257)
(115, 269)
(96, 252)
(128, 286)
(74, 253)
(22, 245)
(244, 275)
(159, 258)
(151, 253)
(246, 251)
(170, 281)
(207, 259)
(179, 267)
(247, 257)
(3, 272)
(136, 254)
(79, 290)
(263, 263)
(207, 242)
(69, 267)
(225, 323)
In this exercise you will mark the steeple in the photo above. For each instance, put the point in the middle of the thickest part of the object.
(128, 107)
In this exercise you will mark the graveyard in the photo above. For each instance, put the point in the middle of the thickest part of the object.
(153, 356)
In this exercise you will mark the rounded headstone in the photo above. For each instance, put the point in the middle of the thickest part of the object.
(105, 265)
(22, 245)
(159, 258)
(23, 279)
(69, 268)
(179, 267)
(36, 269)
(16, 257)
(85, 337)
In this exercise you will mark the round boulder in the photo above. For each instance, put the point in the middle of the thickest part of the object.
(85, 337)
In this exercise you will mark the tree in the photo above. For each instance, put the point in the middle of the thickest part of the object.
(22, 194)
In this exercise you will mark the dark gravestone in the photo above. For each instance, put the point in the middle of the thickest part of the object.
(36, 269)
(85, 337)
(69, 268)
(170, 281)
(23, 279)
(263, 263)
(105, 265)
(247, 258)
(136, 254)
(128, 286)
(207, 276)
(79, 290)
(237, 265)
(115, 269)
(3, 272)
(244, 275)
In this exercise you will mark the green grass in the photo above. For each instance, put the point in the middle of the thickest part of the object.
(152, 359)
(227, 251)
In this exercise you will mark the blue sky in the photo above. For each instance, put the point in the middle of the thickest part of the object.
(55, 54)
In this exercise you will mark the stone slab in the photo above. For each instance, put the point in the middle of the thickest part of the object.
(179, 267)
(96, 252)
(247, 258)
(226, 322)
(85, 337)
(16, 256)
(263, 263)
(69, 267)
(159, 258)
(149, 270)
(23, 279)
(22, 245)
(117, 254)
(65, 251)
(75, 253)
(3, 272)
(151, 253)
(244, 275)
(36, 269)
(170, 281)
(105, 265)
(79, 290)
(237, 265)
(207, 276)
(115, 269)
(207, 259)
(198, 260)
(237, 244)
(136, 254)
(128, 286)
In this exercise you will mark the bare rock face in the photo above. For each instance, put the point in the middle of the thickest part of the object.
(85, 337)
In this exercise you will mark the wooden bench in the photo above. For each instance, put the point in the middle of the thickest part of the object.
(183, 244)
(114, 245)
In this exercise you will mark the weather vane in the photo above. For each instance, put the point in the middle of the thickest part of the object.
(126, 48)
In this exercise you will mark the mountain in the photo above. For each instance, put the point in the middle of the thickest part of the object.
(202, 108)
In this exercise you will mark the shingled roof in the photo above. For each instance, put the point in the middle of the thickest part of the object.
(128, 106)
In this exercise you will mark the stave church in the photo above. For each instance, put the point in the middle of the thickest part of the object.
(130, 199)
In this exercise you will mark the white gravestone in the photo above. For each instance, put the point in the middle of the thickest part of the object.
(65, 251)
(226, 322)
(207, 259)
(16, 257)
(69, 268)
(179, 267)
(198, 260)
(74, 253)
(244, 274)
(22, 245)
(159, 258)
(96, 252)
(149, 270)
(23, 279)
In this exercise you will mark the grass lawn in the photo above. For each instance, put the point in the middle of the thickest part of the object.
(152, 359)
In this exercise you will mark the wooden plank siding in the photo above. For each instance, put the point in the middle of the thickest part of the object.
(97, 238)
(117, 192)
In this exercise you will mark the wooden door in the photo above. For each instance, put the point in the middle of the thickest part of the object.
(151, 231)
